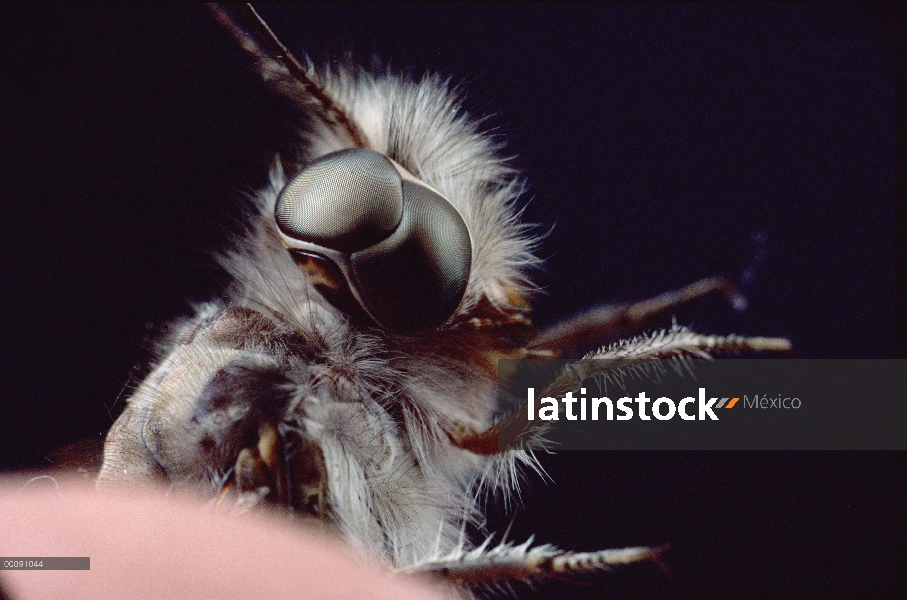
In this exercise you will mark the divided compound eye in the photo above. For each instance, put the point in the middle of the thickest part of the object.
(345, 201)
(403, 250)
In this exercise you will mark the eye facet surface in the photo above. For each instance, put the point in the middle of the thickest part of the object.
(402, 248)
(414, 280)
(346, 201)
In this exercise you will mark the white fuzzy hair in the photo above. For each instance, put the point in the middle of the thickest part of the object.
(422, 126)
(412, 503)
(378, 405)
(381, 418)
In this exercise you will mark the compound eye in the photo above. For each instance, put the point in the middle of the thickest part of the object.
(345, 201)
(414, 280)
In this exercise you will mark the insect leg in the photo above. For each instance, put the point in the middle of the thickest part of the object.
(525, 563)
(615, 321)
(515, 431)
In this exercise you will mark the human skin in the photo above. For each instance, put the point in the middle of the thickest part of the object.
(145, 544)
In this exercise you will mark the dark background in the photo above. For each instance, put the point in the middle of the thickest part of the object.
(657, 138)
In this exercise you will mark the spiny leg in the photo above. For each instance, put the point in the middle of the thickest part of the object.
(612, 322)
(524, 563)
(517, 432)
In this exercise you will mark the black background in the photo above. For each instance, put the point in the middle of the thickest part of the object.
(657, 139)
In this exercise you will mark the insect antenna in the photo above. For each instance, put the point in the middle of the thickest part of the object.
(276, 50)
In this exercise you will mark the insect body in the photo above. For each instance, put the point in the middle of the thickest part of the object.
(349, 375)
